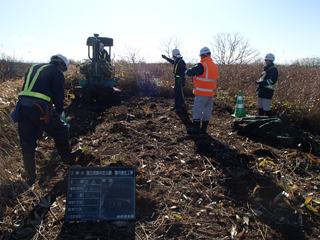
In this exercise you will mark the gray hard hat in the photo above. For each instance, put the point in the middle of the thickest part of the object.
(204, 50)
(269, 56)
(175, 52)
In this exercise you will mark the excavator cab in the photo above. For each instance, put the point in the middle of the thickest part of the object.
(98, 80)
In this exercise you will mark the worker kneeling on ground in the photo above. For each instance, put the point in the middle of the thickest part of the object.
(205, 82)
(43, 87)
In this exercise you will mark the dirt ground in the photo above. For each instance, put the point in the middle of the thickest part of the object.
(187, 186)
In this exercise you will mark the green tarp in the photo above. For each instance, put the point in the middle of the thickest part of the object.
(270, 128)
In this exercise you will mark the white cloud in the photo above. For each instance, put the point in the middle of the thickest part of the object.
(28, 39)
(24, 38)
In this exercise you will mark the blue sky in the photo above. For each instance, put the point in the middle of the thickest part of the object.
(33, 30)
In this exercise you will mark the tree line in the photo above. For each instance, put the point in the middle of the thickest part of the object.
(226, 49)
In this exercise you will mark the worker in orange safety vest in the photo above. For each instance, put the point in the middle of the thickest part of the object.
(205, 82)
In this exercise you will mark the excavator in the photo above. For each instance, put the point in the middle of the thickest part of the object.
(97, 81)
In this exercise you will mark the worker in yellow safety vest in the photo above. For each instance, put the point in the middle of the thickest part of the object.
(179, 67)
(267, 84)
(41, 108)
(103, 54)
(205, 83)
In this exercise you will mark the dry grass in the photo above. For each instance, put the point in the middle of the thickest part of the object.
(296, 99)
(9, 142)
(296, 93)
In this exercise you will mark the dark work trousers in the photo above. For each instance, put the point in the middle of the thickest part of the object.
(29, 128)
(178, 94)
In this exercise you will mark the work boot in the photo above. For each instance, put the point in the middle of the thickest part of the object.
(185, 107)
(260, 112)
(195, 129)
(30, 167)
(204, 126)
(267, 113)
(64, 150)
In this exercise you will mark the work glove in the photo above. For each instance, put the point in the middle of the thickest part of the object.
(164, 56)
(180, 80)
(63, 118)
(185, 73)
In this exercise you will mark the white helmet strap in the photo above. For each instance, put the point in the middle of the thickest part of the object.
(62, 65)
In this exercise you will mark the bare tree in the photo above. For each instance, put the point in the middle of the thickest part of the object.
(133, 54)
(230, 49)
(309, 62)
(167, 44)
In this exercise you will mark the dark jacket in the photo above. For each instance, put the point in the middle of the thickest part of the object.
(50, 82)
(196, 70)
(181, 67)
(104, 56)
(264, 91)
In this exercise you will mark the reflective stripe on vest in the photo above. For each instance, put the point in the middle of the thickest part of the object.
(203, 84)
(175, 69)
(28, 87)
(271, 87)
(103, 57)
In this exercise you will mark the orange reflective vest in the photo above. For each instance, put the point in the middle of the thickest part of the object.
(206, 83)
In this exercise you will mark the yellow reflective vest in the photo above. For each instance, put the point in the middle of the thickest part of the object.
(28, 86)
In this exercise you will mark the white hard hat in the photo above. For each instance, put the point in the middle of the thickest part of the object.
(101, 46)
(269, 56)
(204, 50)
(61, 58)
(175, 52)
